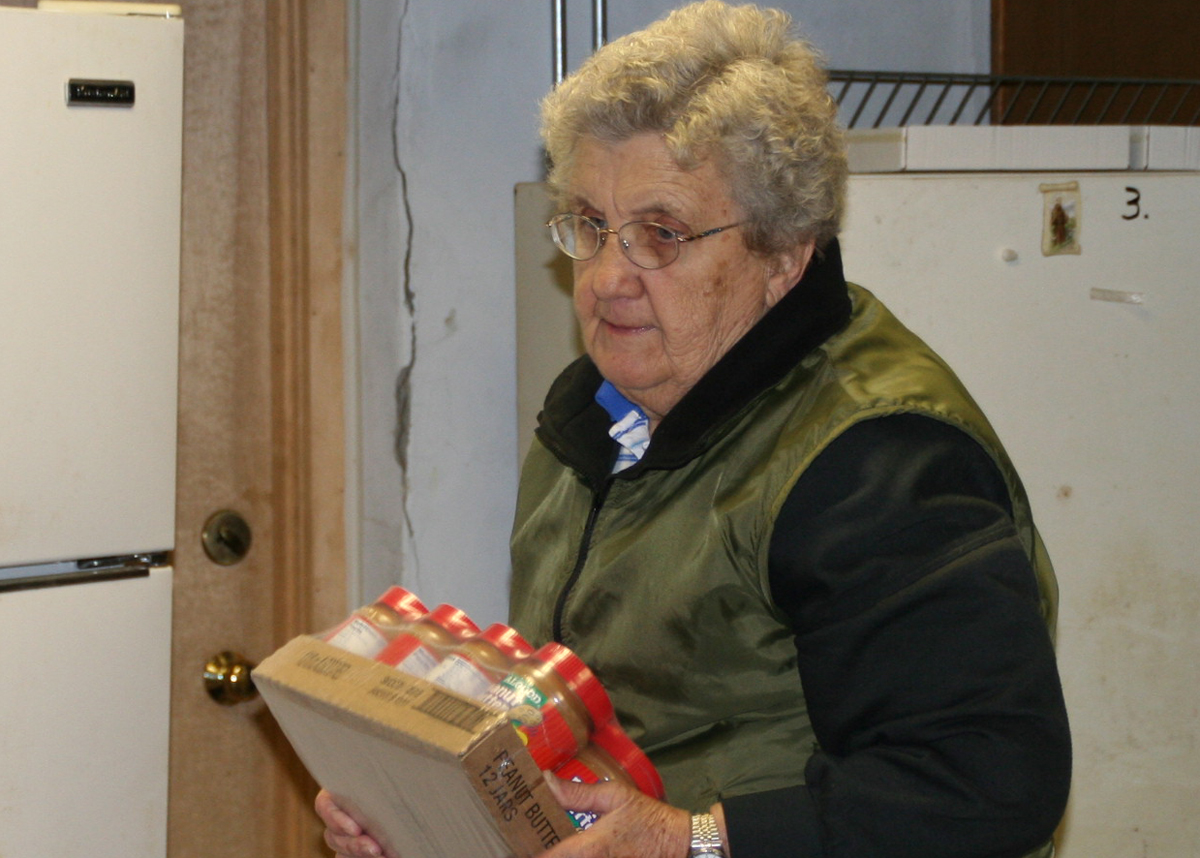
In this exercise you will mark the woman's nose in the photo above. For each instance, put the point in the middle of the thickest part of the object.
(611, 273)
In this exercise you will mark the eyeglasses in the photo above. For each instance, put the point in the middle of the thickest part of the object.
(645, 243)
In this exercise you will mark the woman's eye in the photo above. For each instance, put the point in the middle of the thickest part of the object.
(664, 234)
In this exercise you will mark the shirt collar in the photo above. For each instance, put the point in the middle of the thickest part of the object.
(614, 401)
(630, 429)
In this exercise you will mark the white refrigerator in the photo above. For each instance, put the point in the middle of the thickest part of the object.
(90, 172)
(1085, 354)
(1069, 302)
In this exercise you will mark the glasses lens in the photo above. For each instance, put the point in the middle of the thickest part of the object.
(650, 245)
(575, 235)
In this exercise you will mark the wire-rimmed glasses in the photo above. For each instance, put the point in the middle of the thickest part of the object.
(645, 243)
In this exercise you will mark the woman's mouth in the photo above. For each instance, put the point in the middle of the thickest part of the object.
(619, 328)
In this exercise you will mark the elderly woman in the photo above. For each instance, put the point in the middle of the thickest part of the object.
(766, 514)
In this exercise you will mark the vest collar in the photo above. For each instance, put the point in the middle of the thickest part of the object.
(575, 428)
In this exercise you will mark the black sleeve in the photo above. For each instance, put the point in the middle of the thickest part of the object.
(930, 677)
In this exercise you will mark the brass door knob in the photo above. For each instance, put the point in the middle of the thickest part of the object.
(227, 678)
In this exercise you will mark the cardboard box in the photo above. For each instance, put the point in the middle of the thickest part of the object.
(430, 773)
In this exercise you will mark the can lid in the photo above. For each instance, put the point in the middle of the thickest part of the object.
(580, 679)
(454, 620)
(508, 640)
(632, 759)
(404, 603)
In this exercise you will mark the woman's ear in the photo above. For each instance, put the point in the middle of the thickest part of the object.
(787, 267)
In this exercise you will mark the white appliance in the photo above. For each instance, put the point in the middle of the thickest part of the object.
(90, 171)
(1088, 364)
(1077, 333)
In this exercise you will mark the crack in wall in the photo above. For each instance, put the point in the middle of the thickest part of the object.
(404, 379)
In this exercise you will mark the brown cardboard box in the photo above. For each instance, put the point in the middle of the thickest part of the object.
(430, 773)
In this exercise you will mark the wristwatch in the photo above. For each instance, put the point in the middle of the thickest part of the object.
(706, 837)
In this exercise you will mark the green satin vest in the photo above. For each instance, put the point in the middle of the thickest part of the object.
(672, 608)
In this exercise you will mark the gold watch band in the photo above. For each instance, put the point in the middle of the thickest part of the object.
(706, 837)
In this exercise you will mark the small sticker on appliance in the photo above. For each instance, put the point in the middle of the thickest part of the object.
(1062, 207)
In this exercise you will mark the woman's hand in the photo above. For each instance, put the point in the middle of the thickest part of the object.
(631, 824)
(342, 834)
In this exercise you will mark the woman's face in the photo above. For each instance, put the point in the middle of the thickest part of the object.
(654, 333)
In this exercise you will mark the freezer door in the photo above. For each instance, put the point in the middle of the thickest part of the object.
(86, 679)
(1068, 304)
(90, 168)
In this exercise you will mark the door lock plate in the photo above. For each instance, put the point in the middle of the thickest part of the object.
(226, 537)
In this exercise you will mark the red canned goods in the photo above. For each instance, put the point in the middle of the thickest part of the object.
(423, 643)
(611, 756)
(369, 629)
(472, 667)
(554, 701)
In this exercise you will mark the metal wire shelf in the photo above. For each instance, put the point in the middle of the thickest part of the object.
(869, 99)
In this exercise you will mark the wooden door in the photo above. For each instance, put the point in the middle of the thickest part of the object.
(261, 413)
(1096, 38)
(1152, 42)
